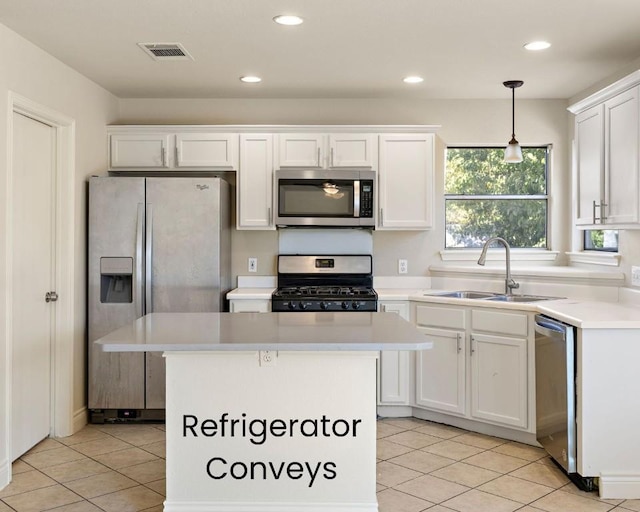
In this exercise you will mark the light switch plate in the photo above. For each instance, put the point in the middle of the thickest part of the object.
(635, 276)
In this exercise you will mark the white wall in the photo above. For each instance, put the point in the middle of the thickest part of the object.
(463, 122)
(30, 72)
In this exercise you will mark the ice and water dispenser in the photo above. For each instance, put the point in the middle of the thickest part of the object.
(116, 280)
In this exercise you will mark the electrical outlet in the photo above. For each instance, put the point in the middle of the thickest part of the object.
(268, 357)
(253, 264)
(635, 276)
(403, 266)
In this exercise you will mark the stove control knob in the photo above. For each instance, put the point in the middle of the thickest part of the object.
(356, 305)
(303, 305)
(345, 305)
(292, 305)
(324, 305)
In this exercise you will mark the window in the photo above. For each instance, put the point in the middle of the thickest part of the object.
(601, 240)
(485, 197)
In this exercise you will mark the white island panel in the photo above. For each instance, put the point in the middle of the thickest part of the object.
(303, 437)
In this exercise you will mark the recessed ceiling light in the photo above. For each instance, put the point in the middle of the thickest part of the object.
(537, 45)
(288, 19)
(412, 79)
(250, 79)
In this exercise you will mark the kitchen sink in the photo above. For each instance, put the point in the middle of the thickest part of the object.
(466, 294)
(521, 298)
(498, 297)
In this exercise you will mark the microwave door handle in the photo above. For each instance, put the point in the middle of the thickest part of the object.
(356, 198)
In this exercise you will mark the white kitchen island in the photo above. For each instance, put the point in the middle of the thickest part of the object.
(271, 411)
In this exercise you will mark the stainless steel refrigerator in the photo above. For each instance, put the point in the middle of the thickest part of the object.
(155, 245)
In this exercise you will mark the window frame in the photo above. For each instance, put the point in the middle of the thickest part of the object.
(539, 197)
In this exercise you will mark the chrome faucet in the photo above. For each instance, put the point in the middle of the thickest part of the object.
(509, 283)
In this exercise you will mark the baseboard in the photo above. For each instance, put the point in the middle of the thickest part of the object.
(619, 487)
(207, 506)
(394, 411)
(477, 426)
(79, 419)
(5, 473)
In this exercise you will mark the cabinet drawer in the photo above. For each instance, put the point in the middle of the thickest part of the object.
(451, 318)
(499, 322)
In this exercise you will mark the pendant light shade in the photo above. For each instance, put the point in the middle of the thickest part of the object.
(513, 151)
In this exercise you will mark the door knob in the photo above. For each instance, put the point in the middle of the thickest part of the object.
(50, 297)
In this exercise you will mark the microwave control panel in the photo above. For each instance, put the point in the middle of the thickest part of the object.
(366, 198)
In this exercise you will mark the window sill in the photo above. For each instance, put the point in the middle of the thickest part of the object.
(498, 254)
(608, 259)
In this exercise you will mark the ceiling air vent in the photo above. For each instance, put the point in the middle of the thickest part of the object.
(165, 51)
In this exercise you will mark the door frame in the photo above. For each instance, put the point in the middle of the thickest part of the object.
(63, 336)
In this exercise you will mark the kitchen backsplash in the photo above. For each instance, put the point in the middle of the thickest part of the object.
(325, 241)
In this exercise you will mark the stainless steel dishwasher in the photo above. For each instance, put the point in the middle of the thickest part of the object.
(555, 390)
(556, 395)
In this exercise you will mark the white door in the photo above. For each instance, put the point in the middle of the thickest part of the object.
(499, 379)
(33, 195)
(441, 371)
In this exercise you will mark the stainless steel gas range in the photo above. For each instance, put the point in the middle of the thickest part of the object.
(324, 283)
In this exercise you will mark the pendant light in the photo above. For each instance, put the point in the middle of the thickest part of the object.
(513, 151)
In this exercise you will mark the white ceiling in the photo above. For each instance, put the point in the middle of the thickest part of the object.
(345, 48)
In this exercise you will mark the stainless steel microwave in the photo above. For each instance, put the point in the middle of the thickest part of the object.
(320, 198)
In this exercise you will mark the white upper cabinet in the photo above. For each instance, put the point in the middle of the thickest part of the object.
(326, 151)
(254, 193)
(138, 150)
(352, 150)
(406, 181)
(622, 155)
(213, 150)
(300, 150)
(135, 149)
(607, 156)
(589, 147)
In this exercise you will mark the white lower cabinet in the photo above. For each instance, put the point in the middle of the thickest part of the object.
(499, 379)
(393, 367)
(249, 305)
(478, 367)
(441, 372)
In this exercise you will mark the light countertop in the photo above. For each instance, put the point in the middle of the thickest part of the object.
(586, 314)
(325, 331)
(593, 314)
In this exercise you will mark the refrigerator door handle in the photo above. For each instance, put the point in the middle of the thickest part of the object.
(139, 266)
(148, 260)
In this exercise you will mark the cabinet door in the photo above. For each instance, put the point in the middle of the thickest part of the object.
(301, 150)
(621, 158)
(440, 371)
(405, 181)
(215, 150)
(499, 379)
(255, 182)
(140, 150)
(589, 136)
(351, 150)
(250, 306)
(393, 380)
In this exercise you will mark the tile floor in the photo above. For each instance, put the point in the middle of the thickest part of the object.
(422, 466)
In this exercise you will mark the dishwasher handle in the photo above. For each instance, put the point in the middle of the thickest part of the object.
(549, 328)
